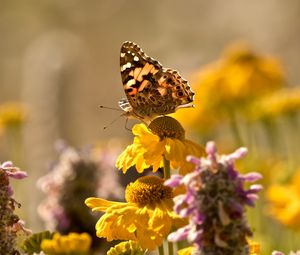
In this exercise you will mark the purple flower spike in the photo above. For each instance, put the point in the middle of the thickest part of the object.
(17, 174)
(251, 177)
(251, 199)
(6, 164)
(255, 188)
(10, 223)
(174, 181)
(215, 204)
(180, 234)
(281, 253)
(193, 160)
(211, 151)
(13, 171)
(239, 153)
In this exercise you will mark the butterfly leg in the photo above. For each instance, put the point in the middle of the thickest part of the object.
(129, 129)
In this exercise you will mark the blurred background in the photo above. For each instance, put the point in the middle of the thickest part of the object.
(60, 61)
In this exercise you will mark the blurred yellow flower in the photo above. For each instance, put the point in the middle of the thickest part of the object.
(12, 114)
(229, 84)
(126, 248)
(254, 247)
(71, 244)
(285, 202)
(147, 217)
(187, 251)
(279, 103)
(163, 138)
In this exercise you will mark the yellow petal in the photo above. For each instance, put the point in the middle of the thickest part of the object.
(154, 153)
(140, 130)
(99, 204)
(175, 150)
(194, 149)
(140, 163)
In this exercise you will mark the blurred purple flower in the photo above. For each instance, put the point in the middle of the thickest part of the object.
(76, 175)
(13, 171)
(281, 253)
(215, 203)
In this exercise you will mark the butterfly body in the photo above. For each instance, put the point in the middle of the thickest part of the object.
(151, 90)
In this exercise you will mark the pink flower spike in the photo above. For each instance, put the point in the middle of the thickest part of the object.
(6, 164)
(20, 226)
(211, 150)
(10, 191)
(187, 179)
(277, 253)
(193, 160)
(195, 236)
(214, 203)
(174, 181)
(17, 174)
(255, 188)
(179, 235)
(239, 153)
(252, 197)
(251, 177)
(13, 171)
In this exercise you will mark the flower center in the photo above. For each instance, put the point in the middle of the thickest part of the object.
(147, 190)
(166, 126)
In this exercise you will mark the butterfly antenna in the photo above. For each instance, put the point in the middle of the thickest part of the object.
(127, 128)
(112, 122)
(110, 108)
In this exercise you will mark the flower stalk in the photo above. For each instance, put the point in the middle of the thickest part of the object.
(170, 248)
(161, 250)
(167, 168)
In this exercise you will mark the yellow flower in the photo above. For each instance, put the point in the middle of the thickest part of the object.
(285, 202)
(229, 84)
(12, 115)
(254, 247)
(126, 248)
(281, 102)
(73, 243)
(186, 251)
(163, 138)
(147, 217)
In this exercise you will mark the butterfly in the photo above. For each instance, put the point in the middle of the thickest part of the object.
(151, 89)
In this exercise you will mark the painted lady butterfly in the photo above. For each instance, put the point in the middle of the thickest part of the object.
(151, 90)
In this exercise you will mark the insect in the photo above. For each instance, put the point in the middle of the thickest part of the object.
(151, 90)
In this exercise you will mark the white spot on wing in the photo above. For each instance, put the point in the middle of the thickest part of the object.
(124, 67)
(122, 55)
(130, 83)
(136, 58)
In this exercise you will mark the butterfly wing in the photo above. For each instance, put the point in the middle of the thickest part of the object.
(151, 90)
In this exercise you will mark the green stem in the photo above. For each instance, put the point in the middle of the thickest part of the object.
(170, 248)
(235, 129)
(161, 249)
(14, 141)
(167, 168)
